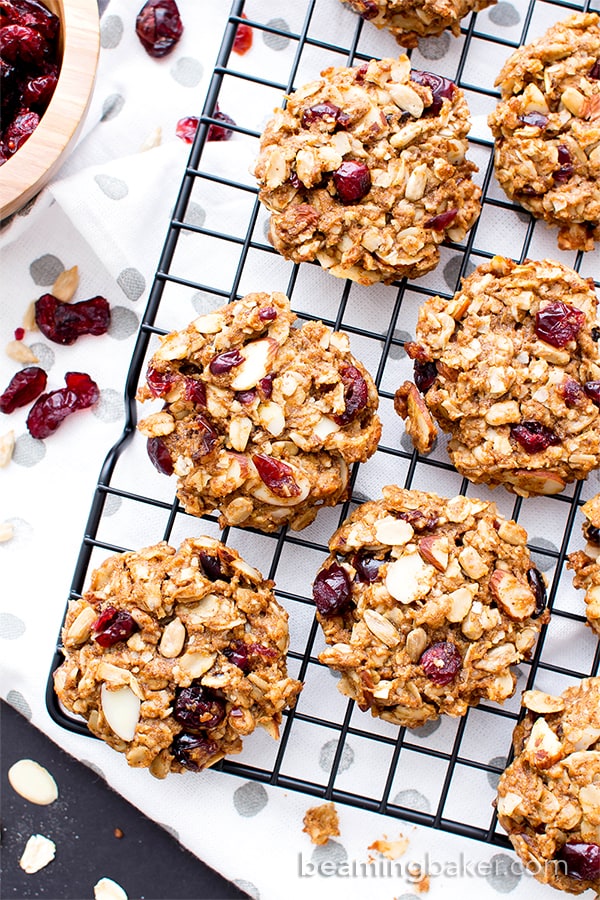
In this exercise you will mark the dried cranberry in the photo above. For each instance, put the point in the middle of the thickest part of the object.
(197, 708)
(425, 374)
(419, 520)
(63, 323)
(19, 42)
(360, 72)
(538, 120)
(558, 323)
(592, 533)
(211, 566)
(595, 71)
(30, 13)
(367, 9)
(24, 387)
(332, 591)
(51, 409)
(186, 128)
(533, 436)
(328, 113)
(441, 662)
(20, 130)
(193, 751)
(277, 475)
(356, 394)
(38, 91)
(160, 383)
(442, 220)
(295, 181)
(367, 567)
(243, 38)
(225, 362)
(441, 88)
(238, 655)
(572, 392)
(220, 132)
(159, 455)
(267, 314)
(592, 390)
(582, 860)
(246, 397)
(265, 387)
(205, 437)
(19, 334)
(565, 172)
(159, 27)
(113, 625)
(195, 390)
(352, 181)
(538, 586)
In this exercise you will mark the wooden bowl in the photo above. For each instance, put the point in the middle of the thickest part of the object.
(36, 161)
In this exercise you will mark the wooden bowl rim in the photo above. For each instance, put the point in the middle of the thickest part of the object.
(25, 173)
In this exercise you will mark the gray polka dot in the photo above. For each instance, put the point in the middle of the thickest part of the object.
(412, 799)
(407, 897)
(406, 443)
(45, 269)
(45, 355)
(22, 532)
(28, 451)
(543, 562)
(499, 762)
(250, 799)
(11, 627)
(331, 852)
(452, 269)
(276, 41)
(94, 768)
(114, 188)
(111, 32)
(434, 47)
(267, 229)
(195, 215)
(427, 729)
(327, 755)
(504, 876)
(112, 504)
(109, 407)
(18, 702)
(132, 283)
(187, 71)
(123, 323)
(504, 14)
(359, 497)
(397, 352)
(248, 887)
(111, 107)
(203, 302)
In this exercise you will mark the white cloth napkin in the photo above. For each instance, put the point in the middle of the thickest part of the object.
(107, 212)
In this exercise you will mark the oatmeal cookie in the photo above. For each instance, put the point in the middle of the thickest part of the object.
(586, 563)
(547, 129)
(426, 604)
(260, 420)
(510, 368)
(173, 656)
(409, 20)
(321, 823)
(549, 797)
(365, 171)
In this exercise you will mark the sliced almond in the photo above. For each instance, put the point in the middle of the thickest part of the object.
(66, 284)
(406, 98)
(471, 563)
(416, 641)
(263, 493)
(239, 433)
(79, 630)
(196, 663)
(121, 710)
(515, 598)
(258, 357)
(543, 748)
(512, 533)
(539, 702)
(435, 549)
(272, 417)
(20, 352)
(29, 323)
(33, 782)
(409, 578)
(174, 346)
(381, 627)
(534, 101)
(107, 889)
(7, 445)
(419, 425)
(417, 183)
(503, 412)
(324, 427)
(39, 851)
(573, 100)
(589, 797)
(393, 531)
(460, 604)
(173, 639)
(211, 323)
(536, 481)
(7, 532)
(509, 803)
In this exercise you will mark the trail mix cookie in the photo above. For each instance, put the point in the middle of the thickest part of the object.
(426, 604)
(586, 563)
(547, 129)
(409, 20)
(173, 656)
(510, 368)
(549, 797)
(365, 170)
(261, 420)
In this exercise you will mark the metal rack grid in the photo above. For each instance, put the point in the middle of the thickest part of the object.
(451, 760)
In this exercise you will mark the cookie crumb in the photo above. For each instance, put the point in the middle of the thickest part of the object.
(119, 833)
(321, 823)
(390, 849)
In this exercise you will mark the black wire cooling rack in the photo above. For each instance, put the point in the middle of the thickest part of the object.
(443, 774)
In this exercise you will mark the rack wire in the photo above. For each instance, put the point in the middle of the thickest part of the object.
(442, 774)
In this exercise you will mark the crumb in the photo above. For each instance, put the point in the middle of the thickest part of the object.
(390, 849)
(39, 851)
(321, 823)
(118, 833)
(421, 884)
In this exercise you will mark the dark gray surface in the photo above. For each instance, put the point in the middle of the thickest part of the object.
(147, 862)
